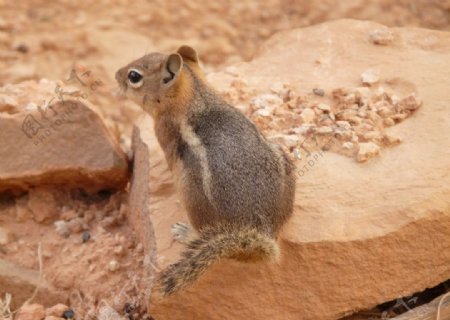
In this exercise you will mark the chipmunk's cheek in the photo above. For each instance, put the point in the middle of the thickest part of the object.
(146, 103)
(132, 95)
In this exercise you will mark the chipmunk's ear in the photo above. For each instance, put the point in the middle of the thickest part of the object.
(171, 69)
(188, 53)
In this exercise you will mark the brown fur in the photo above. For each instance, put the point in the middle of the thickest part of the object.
(238, 189)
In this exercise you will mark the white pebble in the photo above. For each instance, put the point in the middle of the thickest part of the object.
(113, 265)
(343, 124)
(324, 107)
(324, 130)
(347, 145)
(367, 150)
(308, 115)
(62, 228)
(31, 106)
(266, 101)
(370, 77)
(263, 112)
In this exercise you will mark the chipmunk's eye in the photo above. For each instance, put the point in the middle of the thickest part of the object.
(135, 78)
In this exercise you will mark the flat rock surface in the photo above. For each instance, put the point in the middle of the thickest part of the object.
(361, 234)
(55, 139)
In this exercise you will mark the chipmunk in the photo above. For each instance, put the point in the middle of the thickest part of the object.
(238, 188)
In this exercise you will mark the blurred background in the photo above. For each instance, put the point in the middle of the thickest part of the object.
(223, 31)
(44, 39)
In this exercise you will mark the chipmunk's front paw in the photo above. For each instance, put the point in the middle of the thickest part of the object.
(180, 232)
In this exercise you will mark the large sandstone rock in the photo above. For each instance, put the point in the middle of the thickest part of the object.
(49, 138)
(361, 234)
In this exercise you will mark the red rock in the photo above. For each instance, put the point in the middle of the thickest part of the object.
(66, 143)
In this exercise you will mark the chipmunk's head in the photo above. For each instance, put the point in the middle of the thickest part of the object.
(156, 77)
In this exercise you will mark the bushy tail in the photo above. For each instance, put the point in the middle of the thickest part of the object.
(212, 245)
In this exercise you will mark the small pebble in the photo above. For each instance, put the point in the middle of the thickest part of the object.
(324, 107)
(347, 145)
(68, 314)
(366, 151)
(318, 92)
(75, 225)
(395, 99)
(355, 120)
(113, 265)
(370, 77)
(347, 114)
(86, 236)
(409, 103)
(350, 98)
(398, 117)
(108, 222)
(62, 228)
(263, 112)
(388, 140)
(385, 111)
(21, 47)
(69, 214)
(372, 135)
(119, 250)
(381, 36)
(297, 154)
(324, 130)
(362, 91)
(308, 115)
(266, 101)
(343, 124)
(388, 122)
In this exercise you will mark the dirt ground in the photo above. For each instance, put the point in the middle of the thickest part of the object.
(42, 39)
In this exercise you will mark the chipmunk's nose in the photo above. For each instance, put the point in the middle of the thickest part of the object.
(120, 77)
(121, 81)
